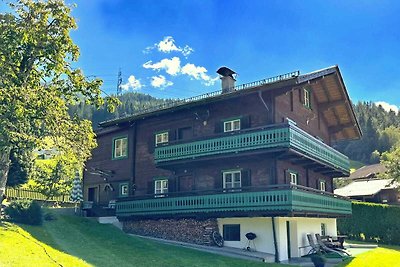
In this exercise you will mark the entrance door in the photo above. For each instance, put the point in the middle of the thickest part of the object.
(92, 194)
(288, 239)
(186, 183)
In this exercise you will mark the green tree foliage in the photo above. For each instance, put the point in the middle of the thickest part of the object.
(391, 160)
(37, 83)
(52, 177)
(21, 167)
(380, 132)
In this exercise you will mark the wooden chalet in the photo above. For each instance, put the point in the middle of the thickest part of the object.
(254, 158)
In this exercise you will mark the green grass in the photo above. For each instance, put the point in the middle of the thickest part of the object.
(75, 241)
(383, 256)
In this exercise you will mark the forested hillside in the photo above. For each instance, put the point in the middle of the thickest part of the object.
(131, 102)
(381, 131)
(380, 128)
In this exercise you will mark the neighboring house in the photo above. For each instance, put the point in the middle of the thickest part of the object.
(367, 187)
(249, 158)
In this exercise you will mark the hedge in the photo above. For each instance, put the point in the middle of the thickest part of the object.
(372, 222)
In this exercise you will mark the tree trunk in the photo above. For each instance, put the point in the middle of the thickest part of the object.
(4, 167)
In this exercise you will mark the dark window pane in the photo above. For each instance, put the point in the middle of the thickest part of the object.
(231, 232)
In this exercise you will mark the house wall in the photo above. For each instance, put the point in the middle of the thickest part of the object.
(262, 227)
(102, 160)
(305, 177)
(203, 123)
(307, 119)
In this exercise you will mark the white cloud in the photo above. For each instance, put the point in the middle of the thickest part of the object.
(133, 83)
(171, 66)
(198, 73)
(386, 106)
(167, 45)
(160, 81)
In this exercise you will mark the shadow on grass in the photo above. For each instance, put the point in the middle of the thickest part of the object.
(105, 245)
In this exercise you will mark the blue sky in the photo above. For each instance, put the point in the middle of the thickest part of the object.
(187, 41)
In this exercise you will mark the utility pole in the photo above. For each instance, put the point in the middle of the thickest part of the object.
(119, 82)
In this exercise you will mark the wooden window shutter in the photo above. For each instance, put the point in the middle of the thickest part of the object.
(218, 181)
(172, 184)
(219, 127)
(245, 122)
(171, 135)
(246, 178)
(150, 187)
(286, 175)
(300, 95)
(151, 143)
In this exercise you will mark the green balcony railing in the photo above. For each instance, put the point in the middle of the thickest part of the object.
(287, 199)
(277, 136)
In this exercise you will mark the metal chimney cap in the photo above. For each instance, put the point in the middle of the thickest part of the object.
(224, 71)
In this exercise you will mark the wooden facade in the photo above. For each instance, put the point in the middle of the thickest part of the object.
(275, 129)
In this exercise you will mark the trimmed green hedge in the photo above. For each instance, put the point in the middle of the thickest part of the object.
(372, 222)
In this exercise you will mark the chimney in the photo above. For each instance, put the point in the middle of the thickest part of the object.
(227, 78)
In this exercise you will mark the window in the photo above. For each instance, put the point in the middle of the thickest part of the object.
(123, 190)
(293, 177)
(232, 179)
(162, 138)
(307, 98)
(232, 125)
(323, 229)
(322, 185)
(120, 150)
(161, 186)
(231, 232)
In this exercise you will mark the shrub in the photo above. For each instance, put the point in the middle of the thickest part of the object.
(25, 211)
(372, 222)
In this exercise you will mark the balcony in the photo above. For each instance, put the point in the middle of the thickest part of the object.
(279, 136)
(283, 200)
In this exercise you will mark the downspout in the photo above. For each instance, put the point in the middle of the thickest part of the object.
(275, 241)
(134, 125)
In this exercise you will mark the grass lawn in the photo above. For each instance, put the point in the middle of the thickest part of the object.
(75, 241)
(384, 256)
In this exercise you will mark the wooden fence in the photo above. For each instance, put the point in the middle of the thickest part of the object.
(17, 193)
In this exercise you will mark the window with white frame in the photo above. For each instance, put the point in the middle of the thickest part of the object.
(232, 179)
(123, 190)
(120, 148)
(161, 138)
(307, 98)
(232, 125)
(293, 177)
(322, 185)
(161, 186)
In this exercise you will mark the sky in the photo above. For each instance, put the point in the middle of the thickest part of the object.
(172, 49)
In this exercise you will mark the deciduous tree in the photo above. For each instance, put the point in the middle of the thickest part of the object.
(38, 82)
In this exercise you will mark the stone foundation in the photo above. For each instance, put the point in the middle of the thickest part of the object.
(185, 230)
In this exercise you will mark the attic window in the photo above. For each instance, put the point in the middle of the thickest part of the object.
(307, 98)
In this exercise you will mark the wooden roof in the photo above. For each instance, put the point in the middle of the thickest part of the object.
(328, 89)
